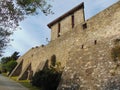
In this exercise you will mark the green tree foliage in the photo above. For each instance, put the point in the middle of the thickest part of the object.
(4, 34)
(14, 56)
(31, 6)
(10, 16)
(9, 63)
(48, 78)
(14, 11)
(5, 60)
(9, 66)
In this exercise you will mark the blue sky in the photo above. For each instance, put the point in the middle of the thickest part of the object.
(34, 28)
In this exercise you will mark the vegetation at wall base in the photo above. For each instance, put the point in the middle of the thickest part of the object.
(25, 83)
(9, 63)
(49, 77)
(46, 79)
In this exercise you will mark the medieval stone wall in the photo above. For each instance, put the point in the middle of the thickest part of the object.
(84, 51)
(65, 22)
(89, 67)
(54, 32)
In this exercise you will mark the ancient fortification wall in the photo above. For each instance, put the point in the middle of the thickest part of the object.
(92, 66)
(84, 51)
(36, 57)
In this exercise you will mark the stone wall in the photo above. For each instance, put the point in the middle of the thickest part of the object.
(85, 53)
(65, 21)
(54, 32)
(90, 64)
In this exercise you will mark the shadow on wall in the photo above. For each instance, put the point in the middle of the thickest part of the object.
(50, 76)
(46, 65)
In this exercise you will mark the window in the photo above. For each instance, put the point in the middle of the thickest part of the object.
(59, 29)
(72, 21)
(53, 60)
(95, 42)
(84, 26)
(82, 47)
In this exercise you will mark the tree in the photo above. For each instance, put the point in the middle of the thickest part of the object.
(11, 65)
(4, 34)
(8, 63)
(15, 55)
(48, 78)
(10, 16)
(31, 6)
(14, 11)
(5, 60)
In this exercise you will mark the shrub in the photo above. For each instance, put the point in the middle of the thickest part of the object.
(3, 68)
(47, 79)
(11, 65)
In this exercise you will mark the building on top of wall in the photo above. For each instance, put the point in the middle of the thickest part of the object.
(67, 21)
(35, 58)
(82, 47)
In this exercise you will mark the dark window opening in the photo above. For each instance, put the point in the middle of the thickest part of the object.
(73, 21)
(84, 26)
(59, 29)
(82, 47)
(53, 60)
(95, 42)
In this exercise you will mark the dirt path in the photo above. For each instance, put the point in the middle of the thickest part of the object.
(8, 84)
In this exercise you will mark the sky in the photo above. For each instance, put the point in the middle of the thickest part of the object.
(34, 28)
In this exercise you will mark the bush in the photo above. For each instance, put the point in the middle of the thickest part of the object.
(3, 68)
(11, 65)
(47, 79)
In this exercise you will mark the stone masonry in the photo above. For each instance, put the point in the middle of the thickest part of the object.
(82, 47)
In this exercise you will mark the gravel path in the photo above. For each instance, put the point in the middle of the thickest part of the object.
(8, 84)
